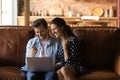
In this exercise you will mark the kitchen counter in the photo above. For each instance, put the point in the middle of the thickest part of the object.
(72, 21)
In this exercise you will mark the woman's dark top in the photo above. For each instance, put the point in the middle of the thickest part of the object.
(74, 58)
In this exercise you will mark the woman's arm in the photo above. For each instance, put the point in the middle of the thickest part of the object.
(65, 49)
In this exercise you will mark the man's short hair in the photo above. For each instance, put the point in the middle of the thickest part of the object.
(40, 22)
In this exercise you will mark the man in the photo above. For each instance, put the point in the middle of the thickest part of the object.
(42, 45)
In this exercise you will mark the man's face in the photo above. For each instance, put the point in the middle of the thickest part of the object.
(41, 32)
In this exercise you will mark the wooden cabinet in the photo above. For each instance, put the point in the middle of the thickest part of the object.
(118, 13)
(112, 21)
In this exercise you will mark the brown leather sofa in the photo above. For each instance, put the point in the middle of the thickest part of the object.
(99, 47)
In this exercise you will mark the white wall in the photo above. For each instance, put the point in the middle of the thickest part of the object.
(9, 12)
(0, 10)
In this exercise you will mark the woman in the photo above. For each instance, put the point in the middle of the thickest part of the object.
(68, 51)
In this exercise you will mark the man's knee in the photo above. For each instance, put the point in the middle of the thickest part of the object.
(30, 76)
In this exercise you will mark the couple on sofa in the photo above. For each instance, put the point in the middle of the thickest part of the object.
(64, 47)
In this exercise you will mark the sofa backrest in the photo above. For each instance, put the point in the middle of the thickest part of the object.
(13, 42)
(98, 46)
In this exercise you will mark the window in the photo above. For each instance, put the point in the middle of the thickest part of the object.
(8, 12)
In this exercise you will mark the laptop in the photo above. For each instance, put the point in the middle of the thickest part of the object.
(39, 64)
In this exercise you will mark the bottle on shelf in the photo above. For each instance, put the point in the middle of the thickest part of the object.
(111, 12)
(106, 13)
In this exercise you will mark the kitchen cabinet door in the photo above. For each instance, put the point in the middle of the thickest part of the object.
(118, 13)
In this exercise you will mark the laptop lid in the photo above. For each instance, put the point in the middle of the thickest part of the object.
(40, 64)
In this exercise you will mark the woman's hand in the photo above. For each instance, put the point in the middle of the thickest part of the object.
(33, 51)
(57, 66)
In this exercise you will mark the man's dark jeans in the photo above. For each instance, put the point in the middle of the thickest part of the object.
(51, 75)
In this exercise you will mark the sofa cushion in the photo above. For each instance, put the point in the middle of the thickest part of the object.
(9, 45)
(99, 75)
(12, 45)
(11, 73)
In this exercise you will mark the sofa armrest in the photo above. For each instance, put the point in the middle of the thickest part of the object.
(117, 64)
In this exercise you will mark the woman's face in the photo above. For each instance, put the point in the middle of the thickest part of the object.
(56, 31)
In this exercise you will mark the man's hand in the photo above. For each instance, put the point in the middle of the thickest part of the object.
(33, 51)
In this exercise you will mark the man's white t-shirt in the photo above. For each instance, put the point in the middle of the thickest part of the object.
(42, 50)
